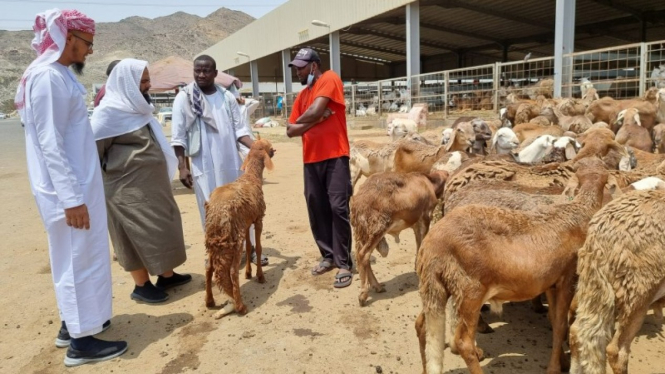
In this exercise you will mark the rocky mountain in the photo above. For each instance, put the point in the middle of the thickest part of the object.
(179, 34)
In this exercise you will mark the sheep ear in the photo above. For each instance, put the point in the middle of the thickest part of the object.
(571, 187)
(267, 161)
(613, 187)
(495, 139)
(570, 150)
(637, 119)
(451, 141)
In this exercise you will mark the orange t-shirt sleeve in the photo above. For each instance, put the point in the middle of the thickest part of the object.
(329, 85)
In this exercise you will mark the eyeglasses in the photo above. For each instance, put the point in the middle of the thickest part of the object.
(89, 44)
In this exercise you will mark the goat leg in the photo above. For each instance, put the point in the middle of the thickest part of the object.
(235, 281)
(209, 299)
(421, 332)
(563, 292)
(248, 256)
(258, 227)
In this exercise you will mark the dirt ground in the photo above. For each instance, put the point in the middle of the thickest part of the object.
(297, 323)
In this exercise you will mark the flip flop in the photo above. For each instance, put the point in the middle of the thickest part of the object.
(338, 280)
(323, 267)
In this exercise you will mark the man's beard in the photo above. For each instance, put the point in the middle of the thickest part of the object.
(147, 97)
(78, 67)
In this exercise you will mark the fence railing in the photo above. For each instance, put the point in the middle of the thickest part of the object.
(620, 72)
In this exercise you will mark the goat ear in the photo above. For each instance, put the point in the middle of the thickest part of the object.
(267, 161)
(244, 163)
(451, 140)
(637, 119)
(571, 187)
(570, 150)
(613, 187)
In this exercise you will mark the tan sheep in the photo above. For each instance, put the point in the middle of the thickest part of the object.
(230, 211)
(477, 254)
(621, 271)
(531, 130)
(631, 132)
(607, 109)
(388, 203)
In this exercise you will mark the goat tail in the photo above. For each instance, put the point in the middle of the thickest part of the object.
(592, 329)
(223, 253)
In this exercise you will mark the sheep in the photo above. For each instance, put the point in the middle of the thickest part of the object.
(461, 138)
(565, 148)
(483, 134)
(631, 132)
(400, 127)
(621, 271)
(525, 112)
(660, 102)
(537, 150)
(530, 130)
(388, 203)
(607, 109)
(658, 135)
(646, 161)
(577, 123)
(450, 162)
(446, 134)
(368, 157)
(416, 157)
(504, 141)
(479, 253)
(585, 86)
(230, 211)
(646, 184)
(590, 96)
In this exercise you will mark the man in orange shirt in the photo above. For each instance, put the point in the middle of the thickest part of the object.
(319, 117)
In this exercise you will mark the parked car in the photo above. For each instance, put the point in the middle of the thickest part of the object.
(164, 114)
(2, 115)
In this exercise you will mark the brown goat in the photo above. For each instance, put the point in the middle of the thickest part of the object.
(621, 271)
(631, 132)
(477, 254)
(417, 157)
(532, 130)
(388, 203)
(230, 211)
(607, 109)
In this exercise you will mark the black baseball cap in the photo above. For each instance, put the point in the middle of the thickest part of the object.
(304, 57)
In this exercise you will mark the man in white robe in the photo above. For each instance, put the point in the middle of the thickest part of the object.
(206, 126)
(65, 178)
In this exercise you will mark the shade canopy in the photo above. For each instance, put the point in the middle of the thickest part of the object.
(172, 72)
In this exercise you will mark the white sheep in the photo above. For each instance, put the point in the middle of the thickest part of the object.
(537, 150)
(445, 136)
(399, 127)
(648, 183)
(585, 84)
(504, 141)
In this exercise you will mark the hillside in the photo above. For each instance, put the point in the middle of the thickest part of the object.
(180, 34)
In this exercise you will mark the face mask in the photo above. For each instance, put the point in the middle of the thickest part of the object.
(310, 77)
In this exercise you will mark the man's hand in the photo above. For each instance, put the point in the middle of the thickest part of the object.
(186, 177)
(78, 217)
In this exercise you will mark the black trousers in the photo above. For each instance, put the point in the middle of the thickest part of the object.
(327, 193)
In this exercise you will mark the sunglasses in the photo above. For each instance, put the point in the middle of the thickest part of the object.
(89, 44)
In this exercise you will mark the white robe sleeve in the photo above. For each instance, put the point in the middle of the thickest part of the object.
(51, 101)
(178, 122)
(236, 117)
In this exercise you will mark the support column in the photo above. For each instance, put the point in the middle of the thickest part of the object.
(335, 64)
(286, 70)
(564, 44)
(413, 47)
(254, 72)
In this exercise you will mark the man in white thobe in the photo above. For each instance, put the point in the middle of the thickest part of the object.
(206, 126)
(65, 178)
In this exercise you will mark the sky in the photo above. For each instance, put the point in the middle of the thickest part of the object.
(20, 14)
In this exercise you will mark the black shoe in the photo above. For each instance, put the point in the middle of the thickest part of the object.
(63, 340)
(172, 281)
(149, 293)
(90, 349)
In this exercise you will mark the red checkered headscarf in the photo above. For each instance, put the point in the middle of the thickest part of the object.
(50, 36)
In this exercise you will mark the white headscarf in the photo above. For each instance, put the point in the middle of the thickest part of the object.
(50, 37)
(124, 109)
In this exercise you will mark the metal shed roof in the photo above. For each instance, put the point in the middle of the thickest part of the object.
(487, 28)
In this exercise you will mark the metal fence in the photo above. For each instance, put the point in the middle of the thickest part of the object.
(619, 72)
